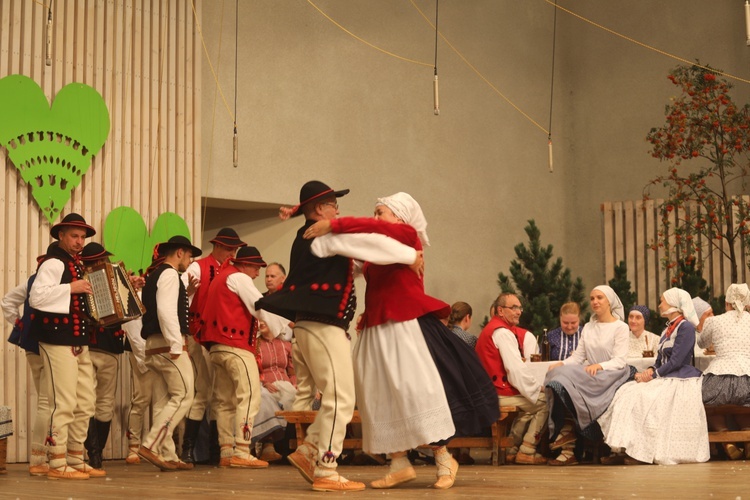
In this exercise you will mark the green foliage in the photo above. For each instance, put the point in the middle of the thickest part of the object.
(621, 285)
(542, 284)
(705, 128)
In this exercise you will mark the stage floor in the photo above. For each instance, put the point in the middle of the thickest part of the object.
(713, 480)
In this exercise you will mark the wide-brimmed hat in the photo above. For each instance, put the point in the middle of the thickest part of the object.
(93, 251)
(229, 238)
(178, 241)
(248, 255)
(315, 190)
(72, 220)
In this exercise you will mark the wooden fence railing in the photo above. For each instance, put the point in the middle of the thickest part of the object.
(630, 228)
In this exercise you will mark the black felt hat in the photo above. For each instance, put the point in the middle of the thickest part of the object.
(229, 238)
(313, 191)
(249, 255)
(178, 241)
(72, 220)
(93, 251)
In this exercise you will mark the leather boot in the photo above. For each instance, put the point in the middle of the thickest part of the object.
(102, 434)
(92, 445)
(189, 437)
(214, 450)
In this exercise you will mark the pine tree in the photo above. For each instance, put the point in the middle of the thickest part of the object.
(621, 285)
(544, 285)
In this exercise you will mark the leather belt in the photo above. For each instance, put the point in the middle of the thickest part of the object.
(160, 350)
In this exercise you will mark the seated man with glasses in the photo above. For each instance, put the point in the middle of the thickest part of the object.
(502, 348)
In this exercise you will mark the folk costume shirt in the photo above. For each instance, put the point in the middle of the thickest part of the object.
(519, 375)
(730, 335)
(167, 298)
(602, 343)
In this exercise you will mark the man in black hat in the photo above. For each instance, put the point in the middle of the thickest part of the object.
(60, 325)
(106, 343)
(165, 328)
(200, 274)
(318, 295)
(230, 333)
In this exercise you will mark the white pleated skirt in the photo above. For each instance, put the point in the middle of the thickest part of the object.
(400, 394)
(661, 422)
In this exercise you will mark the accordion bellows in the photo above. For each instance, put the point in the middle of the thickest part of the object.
(113, 299)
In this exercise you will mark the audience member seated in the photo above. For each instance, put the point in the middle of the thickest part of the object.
(278, 391)
(726, 380)
(460, 321)
(659, 418)
(563, 340)
(641, 341)
(576, 394)
(501, 349)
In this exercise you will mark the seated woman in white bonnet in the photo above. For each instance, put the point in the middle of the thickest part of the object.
(726, 380)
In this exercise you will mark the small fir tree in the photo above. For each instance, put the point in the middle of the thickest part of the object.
(621, 285)
(544, 285)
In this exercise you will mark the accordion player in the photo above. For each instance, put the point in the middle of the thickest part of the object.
(114, 299)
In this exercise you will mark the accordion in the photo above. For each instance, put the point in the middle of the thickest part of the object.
(113, 299)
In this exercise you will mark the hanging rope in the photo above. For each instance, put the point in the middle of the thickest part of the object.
(646, 46)
(365, 41)
(480, 75)
(552, 89)
(48, 41)
(235, 153)
(213, 124)
(435, 94)
(208, 59)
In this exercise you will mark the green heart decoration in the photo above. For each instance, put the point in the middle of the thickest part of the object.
(126, 236)
(53, 147)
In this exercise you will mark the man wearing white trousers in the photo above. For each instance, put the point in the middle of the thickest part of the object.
(318, 295)
(165, 328)
(60, 325)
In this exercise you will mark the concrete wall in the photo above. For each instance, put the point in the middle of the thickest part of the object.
(314, 103)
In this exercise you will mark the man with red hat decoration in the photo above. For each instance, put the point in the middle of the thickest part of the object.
(165, 328)
(197, 279)
(318, 295)
(60, 325)
(229, 331)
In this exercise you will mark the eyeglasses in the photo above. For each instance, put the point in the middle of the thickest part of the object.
(333, 204)
(513, 308)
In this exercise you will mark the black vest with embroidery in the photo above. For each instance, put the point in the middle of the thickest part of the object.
(316, 289)
(108, 339)
(151, 318)
(64, 329)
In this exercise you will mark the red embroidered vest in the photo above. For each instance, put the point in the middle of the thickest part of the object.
(490, 357)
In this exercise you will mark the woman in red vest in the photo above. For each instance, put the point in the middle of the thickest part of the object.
(416, 381)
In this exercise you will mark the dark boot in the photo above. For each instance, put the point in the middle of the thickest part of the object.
(214, 450)
(102, 434)
(93, 448)
(188, 440)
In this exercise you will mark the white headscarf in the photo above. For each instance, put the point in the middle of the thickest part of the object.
(615, 304)
(739, 297)
(701, 306)
(681, 301)
(408, 210)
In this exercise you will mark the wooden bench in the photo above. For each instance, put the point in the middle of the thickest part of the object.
(497, 442)
(728, 436)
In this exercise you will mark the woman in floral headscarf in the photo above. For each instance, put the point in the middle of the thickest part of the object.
(417, 382)
(726, 380)
(580, 388)
(659, 418)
